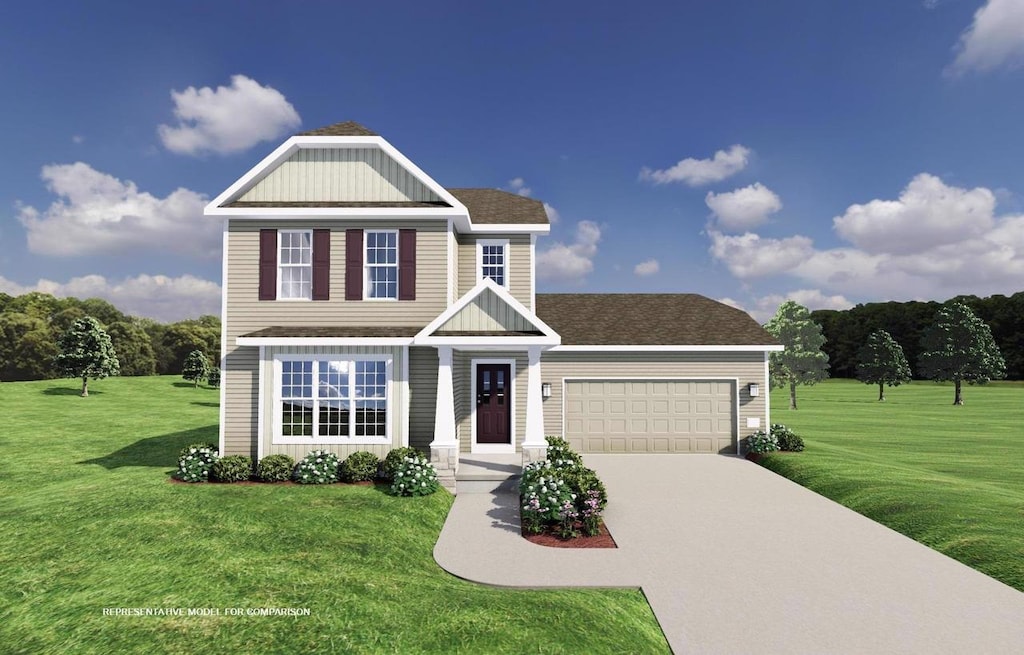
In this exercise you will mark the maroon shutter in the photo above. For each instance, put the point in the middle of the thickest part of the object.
(407, 264)
(268, 265)
(353, 264)
(321, 264)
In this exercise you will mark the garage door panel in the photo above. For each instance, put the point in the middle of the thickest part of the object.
(668, 416)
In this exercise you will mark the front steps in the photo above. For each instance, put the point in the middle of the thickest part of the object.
(481, 474)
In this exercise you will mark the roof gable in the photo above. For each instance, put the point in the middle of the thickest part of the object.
(487, 311)
(346, 128)
(496, 207)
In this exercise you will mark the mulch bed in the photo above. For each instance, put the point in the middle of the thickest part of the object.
(602, 540)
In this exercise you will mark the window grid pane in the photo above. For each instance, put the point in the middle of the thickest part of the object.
(492, 258)
(295, 268)
(349, 398)
(382, 264)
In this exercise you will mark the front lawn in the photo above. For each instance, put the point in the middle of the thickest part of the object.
(949, 477)
(89, 521)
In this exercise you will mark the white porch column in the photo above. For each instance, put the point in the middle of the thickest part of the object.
(534, 445)
(444, 449)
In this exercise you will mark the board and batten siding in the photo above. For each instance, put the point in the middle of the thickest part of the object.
(340, 175)
(486, 313)
(396, 423)
(745, 367)
(422, 396)
(465, 395)
(519, 269)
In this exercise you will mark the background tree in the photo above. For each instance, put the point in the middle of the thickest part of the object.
(183, 337)
(802, 362)
(196, 367)
(86, 352)
(882, 362)
(26, 347)
(213, 379)
(134, 349)
(958, 346)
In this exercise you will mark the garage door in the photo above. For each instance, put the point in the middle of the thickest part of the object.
(650, 416)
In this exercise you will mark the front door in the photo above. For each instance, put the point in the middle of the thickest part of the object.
(493, 382)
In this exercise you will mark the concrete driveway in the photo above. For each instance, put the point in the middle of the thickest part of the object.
(735, 559)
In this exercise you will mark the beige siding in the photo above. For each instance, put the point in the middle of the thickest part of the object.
(487, 312)
(744, 367)
(465, 394)
(241, 391)
(339, 175)
(519, 264)
(422, 396)
(396, 422)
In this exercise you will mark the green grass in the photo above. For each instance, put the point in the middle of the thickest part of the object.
(88, 520)
(949, 477)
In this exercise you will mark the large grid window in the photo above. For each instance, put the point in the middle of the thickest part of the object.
(295, 264)
(382, 264)
(493, 261)
(334, 399)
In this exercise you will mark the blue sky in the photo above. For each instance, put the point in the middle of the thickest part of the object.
(829, 152)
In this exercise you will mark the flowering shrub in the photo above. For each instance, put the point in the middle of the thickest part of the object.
(415, 476)
(194, 462)
(543, 496)
(762, 442)
(233, 468)
(394, 459)
(567, 516)
(359, 467)
(318, 467)
(275, 468)
(582, 481)
(559, 492)
(591, 513)
(561, 454)
(787, 439)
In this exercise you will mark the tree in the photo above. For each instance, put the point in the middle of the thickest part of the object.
(183, 337)
(213, 379)
(881, 362)
(958, 346)
(196, 367)
(26, 347)
(86, 352)
(802, 361)
(134, 349)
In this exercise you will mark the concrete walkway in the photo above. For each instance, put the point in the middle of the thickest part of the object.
(735, 559)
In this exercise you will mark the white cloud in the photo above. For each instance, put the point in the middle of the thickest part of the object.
(570, 263)
(749, 255)
(518, 185)
(153, 296)
(995, 38)
(78, 139)
(649, 267)
(553, 215)
(98, 214)
(765, 307)
(697, 172)
(928, 213)
(743, 209)
(227, 120)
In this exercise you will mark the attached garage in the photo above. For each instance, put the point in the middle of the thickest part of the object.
(645, 415)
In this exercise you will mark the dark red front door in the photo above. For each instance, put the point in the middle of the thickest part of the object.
(492, 403)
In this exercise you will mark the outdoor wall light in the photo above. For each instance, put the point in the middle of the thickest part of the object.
(545, 390)
(753, 389)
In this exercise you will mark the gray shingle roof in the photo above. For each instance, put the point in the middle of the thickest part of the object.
(300, 332)
(346, 128)
(495, 207)
(669, 319)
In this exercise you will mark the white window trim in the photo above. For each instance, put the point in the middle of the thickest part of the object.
(278, 438)
(366, 266)
(504, 243)
(280, 278)
(490, 447)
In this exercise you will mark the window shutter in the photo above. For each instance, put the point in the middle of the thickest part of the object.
(353, 264)
(407, 264)
(268, 265)
(321, 264)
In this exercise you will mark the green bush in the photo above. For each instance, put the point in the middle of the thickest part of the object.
(359, 467)
(318, 467)
(543, 495)
(581, 481)
(786, 438)
(275, 468)
(394, 460)
(762, 442)
(415, 476)
(561, 454)
(213, 379)
(195, 460)
(233, 468)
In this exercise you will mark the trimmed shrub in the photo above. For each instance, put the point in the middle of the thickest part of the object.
(394, 459)
(318, 467)
(359, 467)
(582, 481)
(194, 462)
(213, 379)
(415, 476)
(275, 468)
(762, 442)
(788, 440)
(561, 454)
(233, 468)
(543, 496)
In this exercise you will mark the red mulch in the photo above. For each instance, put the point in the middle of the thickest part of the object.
(602, 540)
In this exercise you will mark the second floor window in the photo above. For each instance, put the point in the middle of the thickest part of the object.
(295, 264)
(382, 264)
(493, 260)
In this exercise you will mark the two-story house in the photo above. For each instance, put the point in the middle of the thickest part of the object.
(367, 307)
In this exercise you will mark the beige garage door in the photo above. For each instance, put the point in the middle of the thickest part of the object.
(650, 416)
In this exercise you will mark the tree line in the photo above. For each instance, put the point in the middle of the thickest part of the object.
(32, 324)
(846, 331)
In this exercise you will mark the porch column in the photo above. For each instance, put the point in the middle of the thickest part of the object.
(534, 445)
(444, 449)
